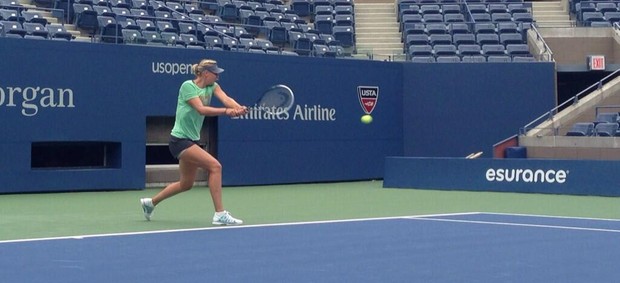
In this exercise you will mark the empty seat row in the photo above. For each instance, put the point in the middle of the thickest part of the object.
(585, 129)
(426, 9)
(605, 124)
(499, 8)
(22, 16)
(464, 38)
(472, 59)
(587, 18)
(459, 28)
(38, 30)
(469, 50)
(458, 1)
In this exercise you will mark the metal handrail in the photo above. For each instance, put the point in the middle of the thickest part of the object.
(546, 49)
(575, 99)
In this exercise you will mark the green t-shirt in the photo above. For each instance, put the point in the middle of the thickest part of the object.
(188, 121)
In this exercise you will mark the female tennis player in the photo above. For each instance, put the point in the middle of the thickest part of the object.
(192, 105)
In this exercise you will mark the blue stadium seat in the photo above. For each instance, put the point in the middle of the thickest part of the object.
(493, 49)
(606, 129)
(420, 50)
(522, 59)
(146, 25)
(166, 26)
(445, 50)
(484, 28)
(518, 8)
(477, 8)
(448, 59)
(447, 9)
(469, 49)
(481, 18)
(344, 20)
(345, 35)
(11, 15)
(104, 11)
(128, 23)
(423, 59)
(511, 38)
(132, 36)
(85, 17)
(436, 28)
(172, 39)
(455, 28)
(508, 27)
(303, 46)
(36, 29)
(464, 38)
(58, 31)
(487, 38)
(517, 50)
(109, 30)
(427, 9)
(278, 35)
(589, 17)
(302, 8)
(499, 59)
(454, 18)
(324, 24)
(612, 16)
(432, 18)
(436, 39)
(416, 39)
(607, 117)
(604, 7)
(13, 28)
(473, 59)
(581, 129)
(32, 16)
(501, 17)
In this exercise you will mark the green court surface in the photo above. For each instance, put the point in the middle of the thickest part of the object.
(26, 216)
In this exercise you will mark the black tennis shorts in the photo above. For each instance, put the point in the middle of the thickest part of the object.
(178, 145)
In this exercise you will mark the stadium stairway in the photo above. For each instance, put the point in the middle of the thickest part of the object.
(376, 30)
(552, 13)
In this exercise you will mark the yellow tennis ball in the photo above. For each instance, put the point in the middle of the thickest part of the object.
(366, 119)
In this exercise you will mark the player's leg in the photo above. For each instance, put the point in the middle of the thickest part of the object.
(188, 171)
(213, 167)
(196, 156)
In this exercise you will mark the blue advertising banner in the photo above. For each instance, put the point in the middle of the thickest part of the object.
(573, 177)
(69, 97)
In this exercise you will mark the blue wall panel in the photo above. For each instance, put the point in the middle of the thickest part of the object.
(455, 110)
(115, 87)
(575, 177)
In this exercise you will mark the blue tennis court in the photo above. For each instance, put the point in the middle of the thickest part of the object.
(468, 247)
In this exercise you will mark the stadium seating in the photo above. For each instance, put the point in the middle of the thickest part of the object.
(481, 31)
(606, 129)
(581, 129)
(434, 23)
(612, 117)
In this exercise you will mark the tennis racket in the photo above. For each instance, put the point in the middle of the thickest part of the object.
(276, 100)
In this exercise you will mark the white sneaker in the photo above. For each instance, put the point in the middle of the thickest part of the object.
(224, 218)
(147, 207)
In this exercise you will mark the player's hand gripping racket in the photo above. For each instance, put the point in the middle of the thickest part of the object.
(276, 100)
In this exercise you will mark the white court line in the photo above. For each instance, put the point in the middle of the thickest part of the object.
(551, 216)
(79, 237)
(518, 224)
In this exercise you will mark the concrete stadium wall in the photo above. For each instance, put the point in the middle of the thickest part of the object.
(73, 94)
